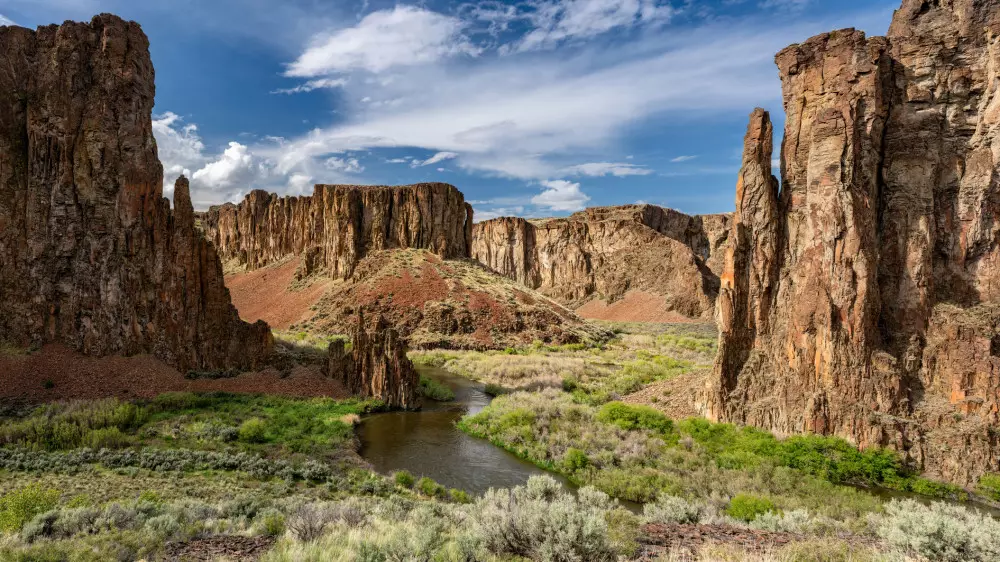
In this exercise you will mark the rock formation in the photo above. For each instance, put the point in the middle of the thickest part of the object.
(604, 252)
(338, 225)
(377, 366)
(90, 253)
(862, 300)
(457, 304)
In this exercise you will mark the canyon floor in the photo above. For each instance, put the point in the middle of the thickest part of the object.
(250, 467)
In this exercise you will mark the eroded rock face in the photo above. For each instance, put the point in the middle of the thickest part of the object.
(861, 302)
(603, 252)
(338, 225)
(90, 253)
(377, 366)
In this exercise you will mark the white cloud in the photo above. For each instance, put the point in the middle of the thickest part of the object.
(180, 148)
(403, 36)
(680, 159)
(349, 165)
(559, 20)
(4, 20)
(561, 195)
(439, 157)
(397, 161)
(300, 184)
(234, 168)
(321, 83)
(607, 169)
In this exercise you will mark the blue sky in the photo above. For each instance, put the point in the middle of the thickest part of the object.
(532, 108)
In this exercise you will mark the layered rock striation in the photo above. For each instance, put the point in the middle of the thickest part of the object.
(338, 225)
(91, 254)
(377, 366)
(861, 299)
(605, 252)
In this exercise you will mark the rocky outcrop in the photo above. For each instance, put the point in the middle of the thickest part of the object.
(91, 255)
(452, 304)
(861, 302)
(377, 366)
(604, 252)
(338, 225)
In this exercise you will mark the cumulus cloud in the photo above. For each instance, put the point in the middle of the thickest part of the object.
(561, 195)
(496, 212)
(349, 165)
(680, 159)
(300, 184)
(233, 168)
(402, 36)
(439, 157)
(179, 146)
(607, 169)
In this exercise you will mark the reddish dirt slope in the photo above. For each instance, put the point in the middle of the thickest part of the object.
(635, 306)
(75, 376)
(264, 294)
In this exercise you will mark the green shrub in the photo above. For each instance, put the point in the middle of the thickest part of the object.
(672, 509)
(403, 478)
(575, 460)
(254, 430)
(429, 488)
(434, 390)
(989, 486)
(492, 389)
(747, 508)
(629, 417)
(459, 496)
(940, 531)
(271, 522)
(20, 506)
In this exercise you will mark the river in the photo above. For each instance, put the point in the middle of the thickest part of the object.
(427, 443)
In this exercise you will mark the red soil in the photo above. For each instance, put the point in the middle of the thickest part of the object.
(74, 375)
(635, 306)
(410, 291)
(264, 294)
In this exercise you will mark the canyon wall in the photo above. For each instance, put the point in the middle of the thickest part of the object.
(91, 255)
(862, 299)
(604, 252)
(338, 225)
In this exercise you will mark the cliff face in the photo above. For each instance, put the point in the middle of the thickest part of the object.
(339, 225)
(377, 366)
(90, 253)
(604, 252)
(861, 300)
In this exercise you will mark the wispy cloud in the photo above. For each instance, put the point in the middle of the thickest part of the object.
(682, 159)
(439, 157)
(4, 20)
(607, 169)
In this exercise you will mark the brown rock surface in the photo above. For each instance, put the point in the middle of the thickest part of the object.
(338, 225)
(378, 366)
(602, 253)
(862, 303)
(90, 253)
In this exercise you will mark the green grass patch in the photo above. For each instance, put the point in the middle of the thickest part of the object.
(434, 390)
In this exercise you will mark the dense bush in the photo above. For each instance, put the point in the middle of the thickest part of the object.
(20, 506)
(627, 416)
(403, 478)
(747, 508)
(67, 425)
(434, 390)
(541, 521)
(989, 486)
(253, 431)
(672, 509)
(940, 531)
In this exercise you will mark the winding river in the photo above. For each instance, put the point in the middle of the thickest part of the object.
(427, 442)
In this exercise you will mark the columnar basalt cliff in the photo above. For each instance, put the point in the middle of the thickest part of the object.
(377, 366)
(91, 255)
(862, 300)
(338, 225)
(604, 252)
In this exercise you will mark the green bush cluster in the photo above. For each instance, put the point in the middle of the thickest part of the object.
(20, 506)
(74, 424)
(434, 390)
(630, 417)
(746, 507)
